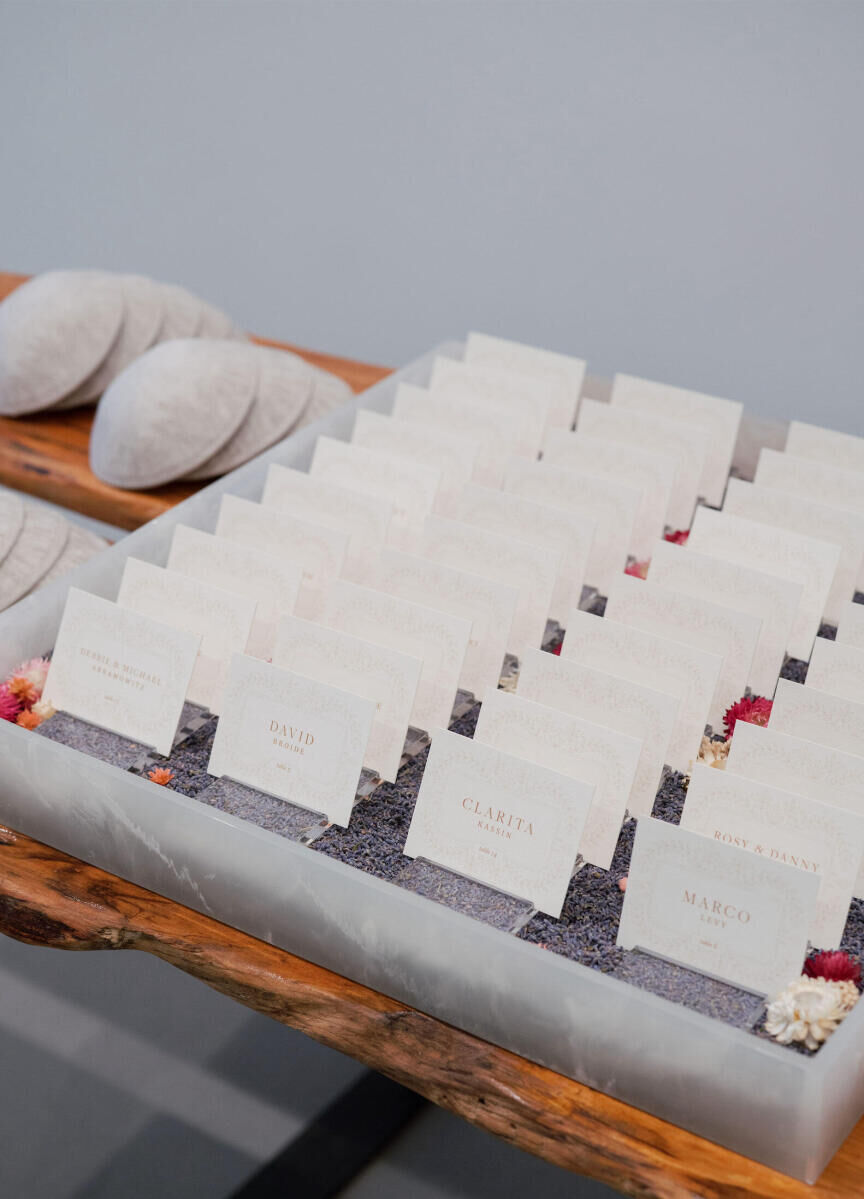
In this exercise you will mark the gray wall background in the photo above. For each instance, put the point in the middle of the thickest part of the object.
(672, 188)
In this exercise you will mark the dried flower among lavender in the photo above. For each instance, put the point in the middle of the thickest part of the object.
(677, 536)
(43, 708)
(834, 966)
(808, 1011)
(713, 753)
(10, 705)
(639, 570)
(160, 775)
(755, 709)
(28, 719)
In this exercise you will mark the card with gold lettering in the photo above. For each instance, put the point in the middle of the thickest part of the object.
(293, 737)
(511, 824)
(527, 400)
(837, 669)
(319, 550)
(385, 676)
(366, 518)
(566, 373)
(818, 716)
(223, 619)
(804, 560)
(597, 755)
(410, 486)
(663, 664)
(697, 622)
(438, 638)
(625, 706)
(783, 827)
(120, 670)
(490, 607)
(271, 580)
(729, 913)
(569, 533)
(612, 505)
(773, 599)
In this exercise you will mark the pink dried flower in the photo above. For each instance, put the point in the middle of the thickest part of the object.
(677, 536)
(10, 705)
(28, 681)
(622, 883)
(639, 570)
(753, 710)
(834, 966)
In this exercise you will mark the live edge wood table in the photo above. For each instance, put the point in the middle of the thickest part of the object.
(50, 899)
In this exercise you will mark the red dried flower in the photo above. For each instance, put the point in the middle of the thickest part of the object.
(160, 775)
(678, 536)
(834, 966)
(753, 710)
(10, 705)
(556, 649)
(639, 570)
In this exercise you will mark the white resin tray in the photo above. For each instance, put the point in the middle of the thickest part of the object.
(772, 1104)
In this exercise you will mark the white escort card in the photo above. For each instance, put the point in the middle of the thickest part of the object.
(386, 677)
(778, 552)
(500, 436)
(511, 824)
(366, 518)
(801, 514)
(319, 550)
(659, 663)
(606, 699)
(223, 619)
(411, 487)
(685, 447)
(272, 581)
(783, 827)
(120, 670)
(773, 599)
(526, 398)
(818, 716)
(723, 911)
(843, 450)
(599, 756)
(489, 606)
(438, 638)
(531, 569)
(837, 669)
(613, 506)
(292, 737)
(827, 482)
(630, 464)
(569, 533)
(803, 767)
(697, 622)
(720, 419)
(565, 372)
(850, 627)
(454, 454)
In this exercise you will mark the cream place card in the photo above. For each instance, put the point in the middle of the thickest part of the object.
(454, 454)
(223, 620)
(783, 827)
(569, 533)
(293, 737)
(837, 669)
(818, 716)
(411, 487)
(850, 627)
(438, 638)
(843, 450)
(120, 670)
(827, 482)
(775, 551)
(386, 677)
(774, 600)
(565, 373)
(613, 506)
(526, 398)
(500, 435)
(720, 419)
(734, 915)
(801, 514)
(531, 569)
(319, 550)
(272, 582)
(505, 822)
(598, 756)
(697, 622)
(366, 518)
(488, 605)
(629, 464)
(607, 699)
(658, 663)
(684, 446)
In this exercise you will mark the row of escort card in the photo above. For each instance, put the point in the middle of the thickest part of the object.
(355, 600)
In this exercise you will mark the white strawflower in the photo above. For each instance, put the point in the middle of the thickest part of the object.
(808, 1011)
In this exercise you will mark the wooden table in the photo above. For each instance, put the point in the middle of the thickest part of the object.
(50, 899)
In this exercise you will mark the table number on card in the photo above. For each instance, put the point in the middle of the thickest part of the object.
(721, 910)
(511, 824)
(120, 670)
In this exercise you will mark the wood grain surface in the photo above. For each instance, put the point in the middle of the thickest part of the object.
(48, 898)
(47, 454)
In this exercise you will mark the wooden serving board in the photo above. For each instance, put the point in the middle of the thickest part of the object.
(46, 455)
